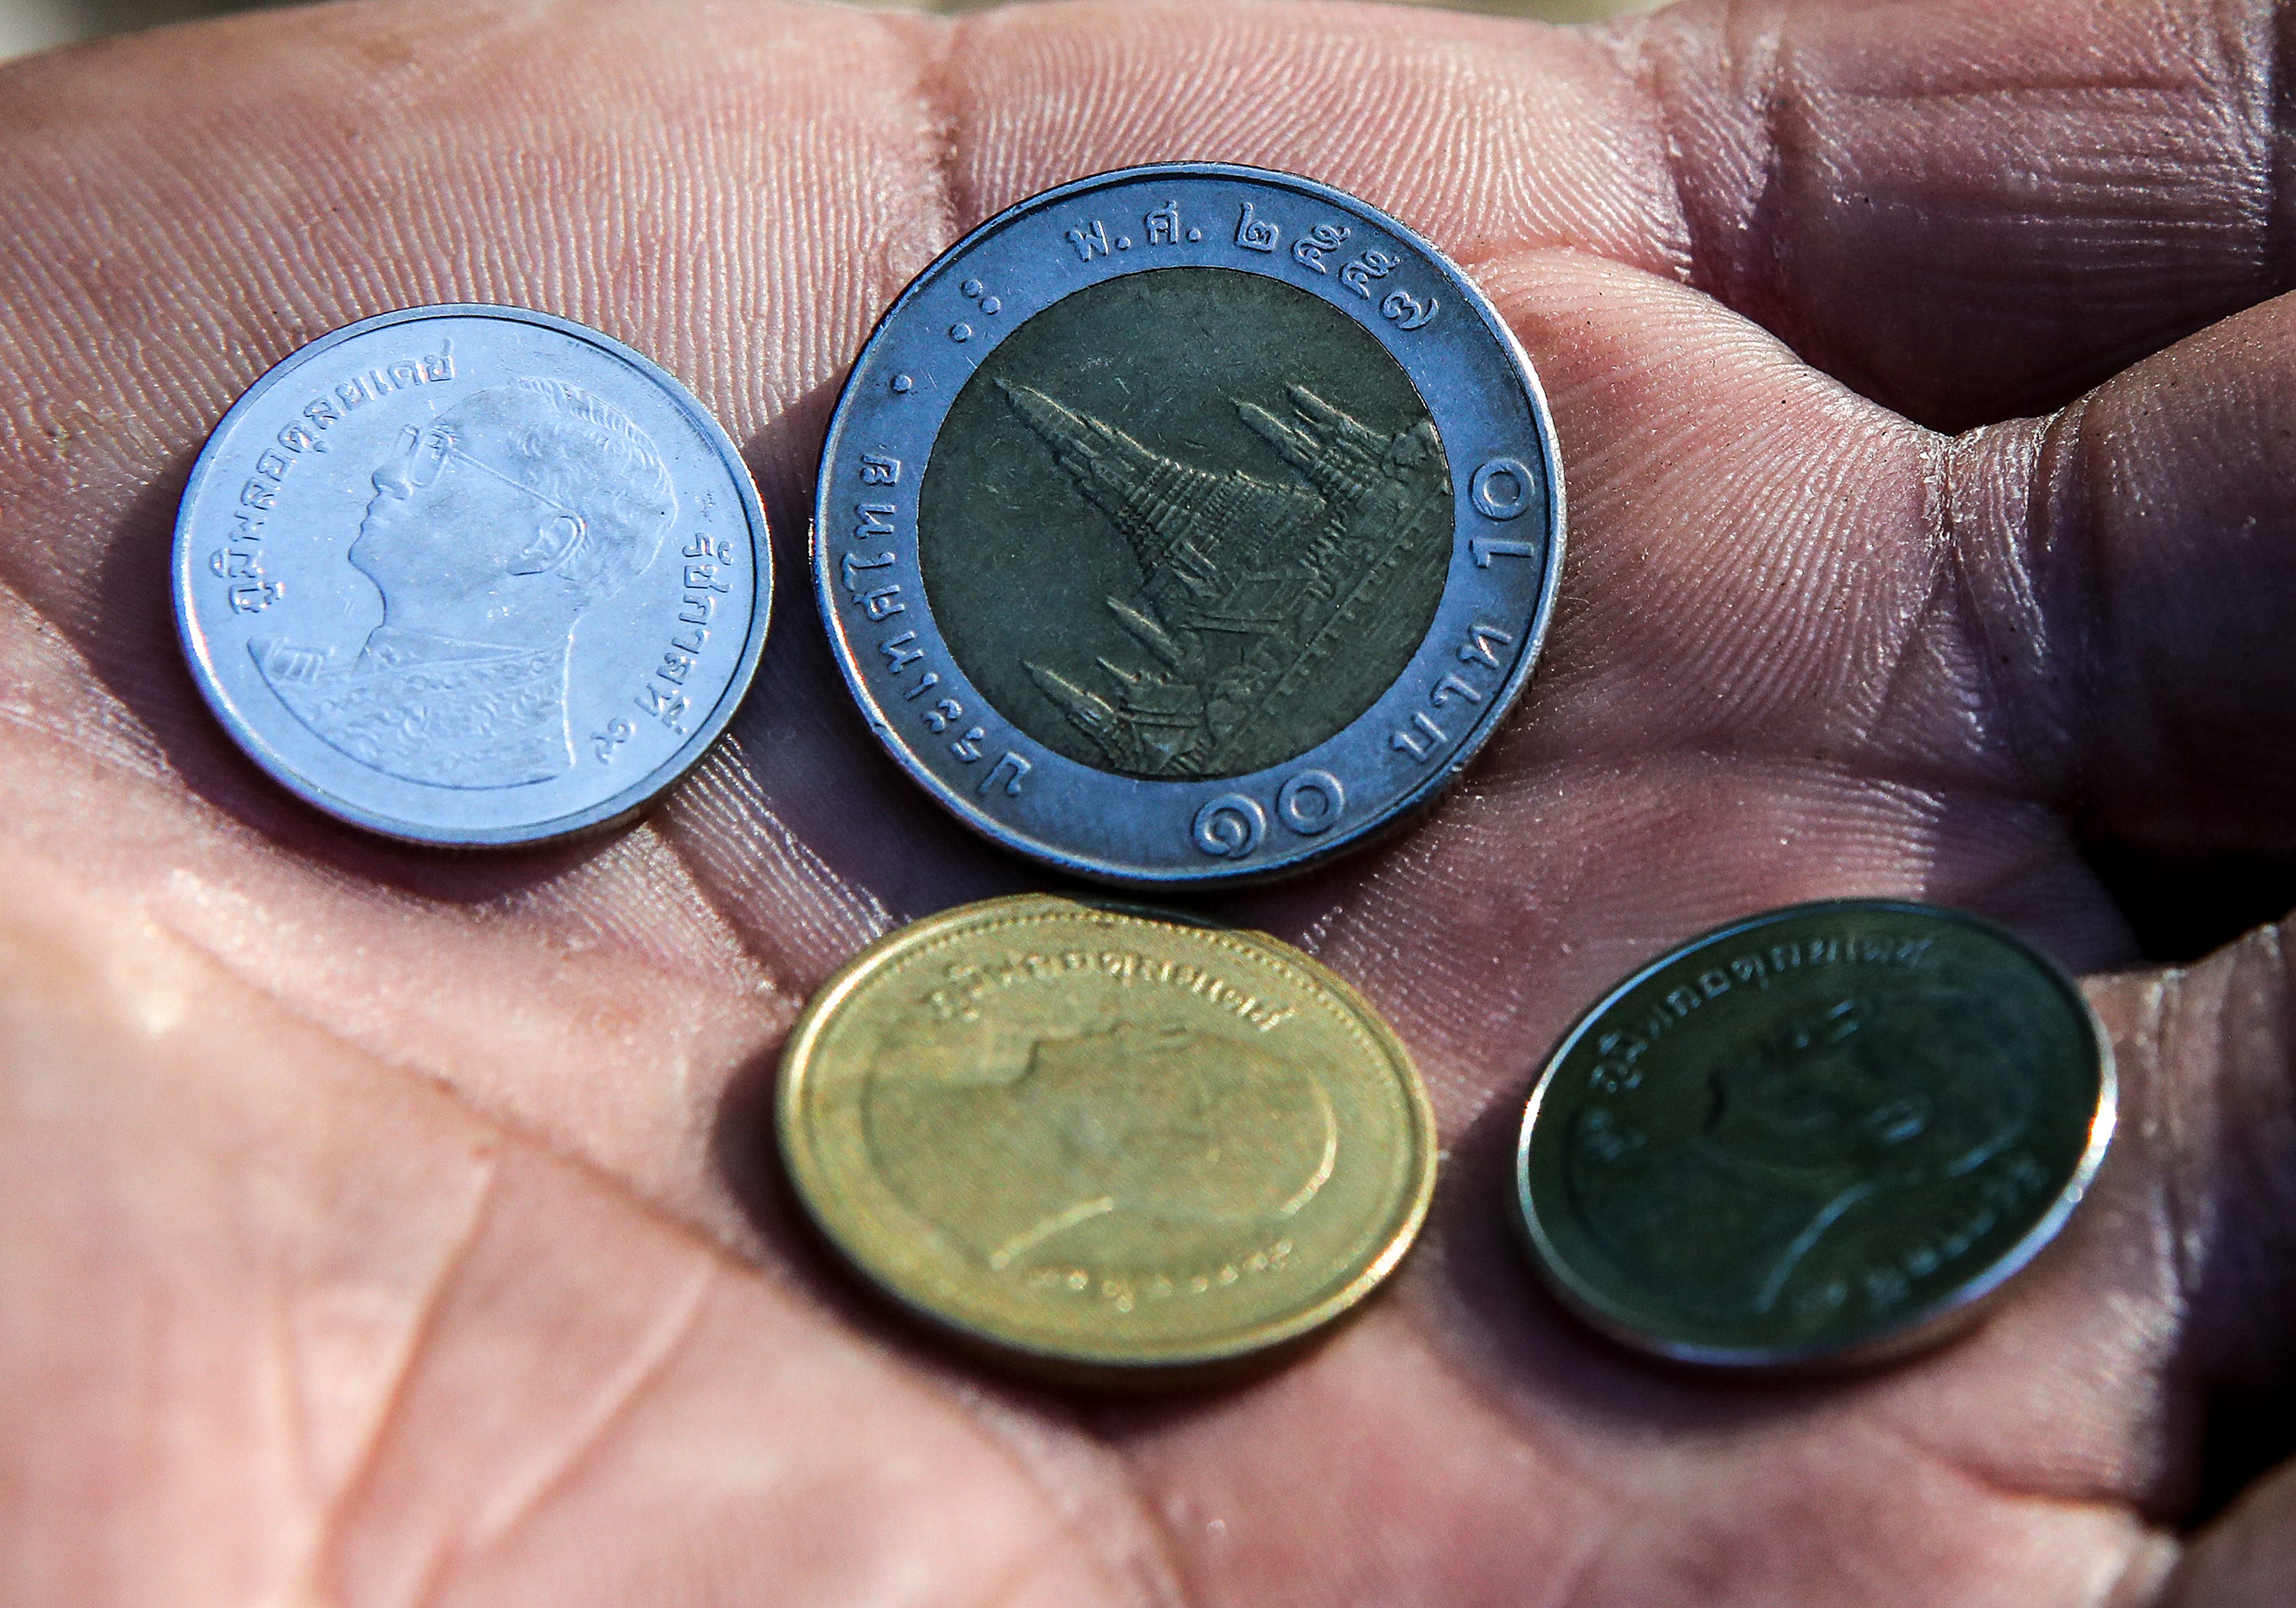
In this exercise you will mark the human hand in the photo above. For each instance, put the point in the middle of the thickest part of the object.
(388, 1226)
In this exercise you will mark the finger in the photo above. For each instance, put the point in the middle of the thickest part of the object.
(2134, 562)
(2209, 1136)
(1969, 211)
(1492, 137)
(1964, 210)
(2247, 1559)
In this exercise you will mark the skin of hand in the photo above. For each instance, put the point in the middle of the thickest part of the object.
(388, 1227)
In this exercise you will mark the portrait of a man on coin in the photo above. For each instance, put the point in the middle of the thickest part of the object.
(1112, 1146)
(1840, 1123)
(492, 531)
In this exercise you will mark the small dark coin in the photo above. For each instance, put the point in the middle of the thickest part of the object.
(471, 576)
(1824, 1134)
(1188, 523)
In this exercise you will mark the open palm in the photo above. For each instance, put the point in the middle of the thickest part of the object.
(390, 1228)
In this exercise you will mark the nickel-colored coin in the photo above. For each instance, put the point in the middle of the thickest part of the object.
(471, 575)
(1108, 1142)
(1824, 1134)
(1187, 523)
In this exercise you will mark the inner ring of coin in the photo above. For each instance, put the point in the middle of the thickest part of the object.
(1122, 443)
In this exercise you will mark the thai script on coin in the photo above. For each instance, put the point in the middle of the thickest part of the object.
(1826, 1132)
(1101, 1141)
(1187, 523)
(471, 575)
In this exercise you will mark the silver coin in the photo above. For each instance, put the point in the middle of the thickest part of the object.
(471, 576)
(1188, 523)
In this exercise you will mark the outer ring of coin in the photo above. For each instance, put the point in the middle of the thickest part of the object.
(913, 1292)
(225, 462)
(1921, 1327)
(1506, 484)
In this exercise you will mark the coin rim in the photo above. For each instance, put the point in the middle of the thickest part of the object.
(1920, 1326)
(1078, 1365)
(1405, 805)
(608, 812)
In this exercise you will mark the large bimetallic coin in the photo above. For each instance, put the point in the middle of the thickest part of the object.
(471, 575)
(1186, 523)
(1106, 1143)
(1824, 1134)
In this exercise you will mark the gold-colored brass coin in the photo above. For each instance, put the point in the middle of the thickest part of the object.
(1109, 1142)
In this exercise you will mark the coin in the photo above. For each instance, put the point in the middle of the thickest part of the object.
(471, 575)
(1187, 523)
(1105, 1142)
(1828, 1133)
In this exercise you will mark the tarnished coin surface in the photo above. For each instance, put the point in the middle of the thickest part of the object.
(1821, 1135)
(1108, 1143)
(1187, 523)
(470, 576)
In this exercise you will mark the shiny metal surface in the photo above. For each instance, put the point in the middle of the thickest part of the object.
(1237, 565)
(1105, 1143)
(471, 576)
